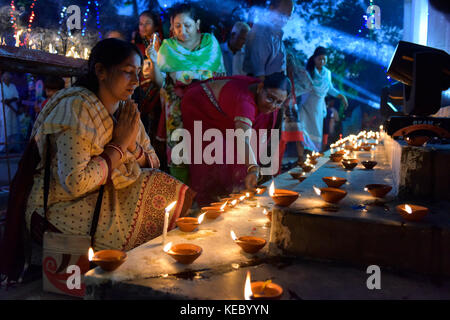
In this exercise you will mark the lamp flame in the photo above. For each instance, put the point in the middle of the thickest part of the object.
(333, 178)
(317, 190)
(265, 212)
(366, 189)
(408, 209)
(242, 198)
(91, 254)
(167, 247)
(272, 189)
(233, 203)
(233, 235)
(201, 217)
(170, 206)
(248, 287)
(223, 206)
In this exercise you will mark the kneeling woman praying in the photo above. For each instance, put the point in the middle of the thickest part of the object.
(96, 138)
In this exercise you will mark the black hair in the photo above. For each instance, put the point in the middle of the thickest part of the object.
(310, 64)
(54, 83)
(185, 7)
(109, 52)
(278, 80)
(157, 24)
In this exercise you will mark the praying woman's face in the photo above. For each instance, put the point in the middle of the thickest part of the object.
(146, 26)
(269, 99)
(122, 79)
(320, 61)
(185, 29)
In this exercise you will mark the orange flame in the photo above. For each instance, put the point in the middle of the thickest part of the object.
(233, 203)
(223, 206)
(233, 235)
(408, 209)
(265, 212)
(201, 217)
(248, 287)
(90, 254)
(167, 247)
(317, 190)
(170, 206)
(272, 189)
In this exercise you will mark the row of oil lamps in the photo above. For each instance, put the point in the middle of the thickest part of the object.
(186, 253)
(342, 151)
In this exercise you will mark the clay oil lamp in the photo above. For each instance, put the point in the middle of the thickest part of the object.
(331, 195)
(249, 244)
(369, 164)
(334, 182)
(311, 160)
(261, 290)
(349, 164)
(214, 212)
(189, 224)
(298, 175)
(336, 157)
(307, 166)
(108, 260)
(184, 253)
(268, 214)
(378, 190)
(249, 194)
(417, 141)
(412, 212)
(231, 202)
(260, 190)
(316, 155)
(281, 197)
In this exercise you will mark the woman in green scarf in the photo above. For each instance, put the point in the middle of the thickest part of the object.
(187, 56)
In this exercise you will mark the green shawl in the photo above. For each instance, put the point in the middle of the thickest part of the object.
(173, 57)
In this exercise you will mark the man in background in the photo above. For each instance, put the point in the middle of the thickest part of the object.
(233, 50)
(265, 52)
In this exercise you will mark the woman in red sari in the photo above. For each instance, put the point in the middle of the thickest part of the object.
(236, 102)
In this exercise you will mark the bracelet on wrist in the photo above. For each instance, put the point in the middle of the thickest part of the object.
(117, 148)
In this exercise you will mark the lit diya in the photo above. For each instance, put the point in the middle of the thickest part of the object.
(184, 253)
(337, 157)
(298, 175)
(281, 197)
(108, 260)
(260, 190)
(378, 190)
(417, 141)
(368, 164)
(412, 212)
(261, 290)
(214, 212)
(331, 195)
(189, 224)
(334, 182)
(306, 167)
(248, 243)
(349, 164)
(231, 202)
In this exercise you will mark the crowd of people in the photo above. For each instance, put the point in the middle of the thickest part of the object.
(117, 124)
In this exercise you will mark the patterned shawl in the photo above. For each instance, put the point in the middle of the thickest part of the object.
(79, 109)
(173, 57)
